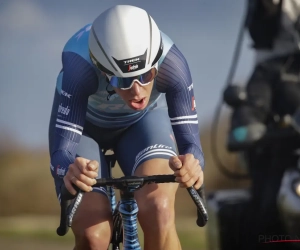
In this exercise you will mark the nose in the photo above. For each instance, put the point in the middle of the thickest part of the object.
(135, 89)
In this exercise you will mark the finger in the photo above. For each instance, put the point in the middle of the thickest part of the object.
(81, 185)
(181, 172)
(189, 162)
(82, 163)
(93, 166)
(199, 182)
(190, 179)
(187, 183)
(91, 174)
(84, 179)
(79, 179)
(187, 172)
(175, 163)
(69, 187)
(197, 179)
(85, 166)
(187, 168)
(182, 178)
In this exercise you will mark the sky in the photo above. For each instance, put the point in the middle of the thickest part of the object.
(33, 34)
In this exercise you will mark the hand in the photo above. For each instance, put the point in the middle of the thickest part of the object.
(81, 173)
(187, 170)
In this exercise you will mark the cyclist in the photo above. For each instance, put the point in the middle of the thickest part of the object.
(124, 85)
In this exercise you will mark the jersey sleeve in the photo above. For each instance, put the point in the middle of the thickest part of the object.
(78, 82)
(174, 79)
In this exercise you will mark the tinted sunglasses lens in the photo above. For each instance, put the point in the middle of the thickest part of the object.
(148, 76)
(120, 82)
(126, 82)
(114, 81)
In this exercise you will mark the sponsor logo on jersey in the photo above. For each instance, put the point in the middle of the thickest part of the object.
(190, 87)
(63, 110)
(132, 67)
(193, 103)
(64, 93)
(60, 171)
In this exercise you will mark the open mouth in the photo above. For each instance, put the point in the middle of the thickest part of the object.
(138, 104)
(138, 101)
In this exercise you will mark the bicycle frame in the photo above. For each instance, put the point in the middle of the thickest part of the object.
(124, 215)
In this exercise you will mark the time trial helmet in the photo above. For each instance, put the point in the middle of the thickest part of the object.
(125, 41)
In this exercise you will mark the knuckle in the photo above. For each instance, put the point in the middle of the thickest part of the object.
(189, 183)
(75, 181)
(71, 167)
(81, 177)
(83, 170)
(183, 179)
(181, 171)
(180, 179)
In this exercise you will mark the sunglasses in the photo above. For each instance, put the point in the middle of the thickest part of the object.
(126, 83)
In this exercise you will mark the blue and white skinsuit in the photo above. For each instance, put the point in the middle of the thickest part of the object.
(83, 96)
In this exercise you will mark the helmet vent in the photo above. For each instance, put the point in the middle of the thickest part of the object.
(97, 40)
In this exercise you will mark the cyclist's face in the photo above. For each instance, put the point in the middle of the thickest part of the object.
(137, 97)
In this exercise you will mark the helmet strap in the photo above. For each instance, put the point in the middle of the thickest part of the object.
(110, 92)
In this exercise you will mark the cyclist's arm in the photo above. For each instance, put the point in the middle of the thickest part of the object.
(175, 80)
(79, 81)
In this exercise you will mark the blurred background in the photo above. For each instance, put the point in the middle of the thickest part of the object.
(33, 34)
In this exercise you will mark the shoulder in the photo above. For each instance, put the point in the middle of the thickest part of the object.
(173, 72)
(168, 43)
(78, 43)
(171, 53)
(75, 54)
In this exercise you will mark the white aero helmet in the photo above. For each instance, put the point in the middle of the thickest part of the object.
(125, 41)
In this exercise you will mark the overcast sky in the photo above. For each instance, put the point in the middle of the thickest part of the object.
(34, 32)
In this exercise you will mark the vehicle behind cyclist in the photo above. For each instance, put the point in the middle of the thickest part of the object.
(124, 85)
(273, 91)
(274, 86)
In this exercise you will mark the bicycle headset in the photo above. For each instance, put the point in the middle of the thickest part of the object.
(125, 44)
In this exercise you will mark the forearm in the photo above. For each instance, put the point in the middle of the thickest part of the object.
(60, 161)
(190, 144)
